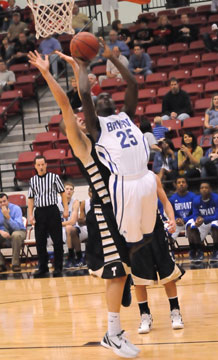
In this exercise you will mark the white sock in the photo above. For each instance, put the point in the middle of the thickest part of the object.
(114, 326)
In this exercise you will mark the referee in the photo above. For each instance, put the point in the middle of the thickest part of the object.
(43, 190)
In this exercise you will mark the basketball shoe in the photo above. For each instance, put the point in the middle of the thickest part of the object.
(176, 319)
(146, 324)
(120, 345)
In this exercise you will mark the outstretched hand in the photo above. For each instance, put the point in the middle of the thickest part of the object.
(74, 62)
(36, 59)
(107, 51)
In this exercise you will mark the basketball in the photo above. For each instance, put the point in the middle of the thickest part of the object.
(84, 45)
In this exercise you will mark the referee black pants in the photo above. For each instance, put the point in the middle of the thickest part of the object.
(48, 221)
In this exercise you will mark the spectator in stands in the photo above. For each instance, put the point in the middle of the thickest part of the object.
(176, 103)
(7, 49)
(143, 36)
(80, 20)
(211, 39)
(12, 232)
(204, 221)
(214, 6)
(189, 156)
(21, 49)
(73, 95)
(186, 32)
(164, 34)
(7, 77)
(159, 130)
(106, 5)
(146, 129)
(165, 162)
(70, 227)
(113, 41)
(211, 116)
(94, 84)
(3, 9)
(209, 163)
(111, 70)
(11, 9)
(48, 46)
(140, 62)
(123, 34)
(182, 203)
(16, 28)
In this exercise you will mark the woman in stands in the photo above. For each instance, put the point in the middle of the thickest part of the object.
(123, 34)
(209, 162)
(163, 35)
(165, 162)
(189, 156)
(211, 116)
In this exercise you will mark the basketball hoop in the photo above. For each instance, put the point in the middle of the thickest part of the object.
(52, 17)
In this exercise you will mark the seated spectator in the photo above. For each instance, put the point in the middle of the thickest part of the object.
(79, 20)
(209, 163)
(111, 70)
(7, 78)
(123, 34)
(12, 8)
(70, 227)
(12, 232)
(211, 116)
(7, 50)
(16, 27)
(204, 221)
(143, 36)
(146, 129)
(94, 84)
(165, 162)
(85, 206)
(176, 103)
(182, 203)
(113, 41)
(159, 130)
(214, 6)
(164, 34)
(186, 32)
(73, 95)
(48, 46)
(21, 50)
(140, 62)
(189, 156)
(211, 39)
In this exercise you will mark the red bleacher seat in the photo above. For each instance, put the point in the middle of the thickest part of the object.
(189, 61)
(146, 96)
(8, 97)
(175, 126)
(118, 97)
(44, 141)
(156, 51)
(54, 159)
(3, 117)
(54, 123)
(140, 80)
(170, 13)
(26, 83)
(156, 80)
(20, 200)
(181, 75)
(186, 10)
(202, 74)
(213, 19)
(167, 64)
(193, 124)
(209, 59)
(211, 87)
(216, 72)
(112, 85)
(24, 167)
(99, 70)
(177, 49)
(162, 91)
(61, 142)
(177, 142)
(19, 69)
(198, 20)
(153, 110)
(139, 113)
(149, 16)
(70, 166)
(200, 106)
(197, 47)
(195, 91)
(204, 9)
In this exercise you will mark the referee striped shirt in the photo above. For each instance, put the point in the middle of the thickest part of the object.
(44, 189)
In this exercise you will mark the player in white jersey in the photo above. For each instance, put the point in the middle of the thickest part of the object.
(122, 147)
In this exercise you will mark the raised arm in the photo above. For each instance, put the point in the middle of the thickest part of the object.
(78, 141)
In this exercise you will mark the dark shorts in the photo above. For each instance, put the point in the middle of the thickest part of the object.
(107, 254)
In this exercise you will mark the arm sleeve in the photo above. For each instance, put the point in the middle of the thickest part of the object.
(16, 223)
(131, 63)
(198, 153)
(196, 204)
(165, 106)
(59, 184)
(147, 62)
(209, 218)
(186, 106)
(30, 192)
(11, 76)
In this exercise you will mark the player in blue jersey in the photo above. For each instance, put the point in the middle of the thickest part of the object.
(204, 221)
(182, 203)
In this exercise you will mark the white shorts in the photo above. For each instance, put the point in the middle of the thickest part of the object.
(204, 229)
(83, 235)
(107, 4)
(178, 230)
(134, 200)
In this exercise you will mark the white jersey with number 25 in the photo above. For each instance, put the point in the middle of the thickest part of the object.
(121, 145)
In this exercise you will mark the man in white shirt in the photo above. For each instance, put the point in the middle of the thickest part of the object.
(111, 70)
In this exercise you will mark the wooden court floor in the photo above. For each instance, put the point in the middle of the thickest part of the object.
(65, 318)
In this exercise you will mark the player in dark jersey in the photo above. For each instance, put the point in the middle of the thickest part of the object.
(106, 252)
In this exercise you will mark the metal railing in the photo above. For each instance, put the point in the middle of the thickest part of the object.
(156, 4)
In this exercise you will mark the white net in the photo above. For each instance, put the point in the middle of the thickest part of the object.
(52, 17)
